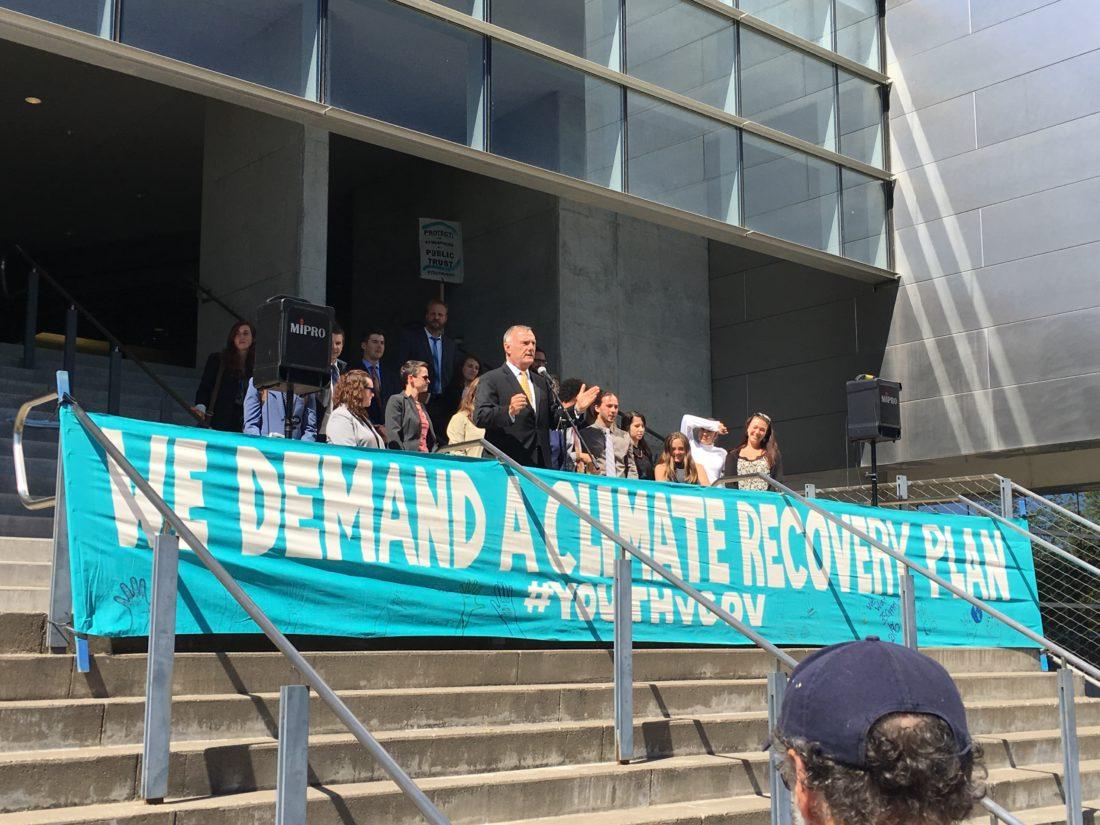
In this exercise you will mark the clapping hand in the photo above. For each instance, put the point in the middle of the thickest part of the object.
(586, 397)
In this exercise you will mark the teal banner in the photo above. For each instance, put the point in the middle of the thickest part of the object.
(347, 542)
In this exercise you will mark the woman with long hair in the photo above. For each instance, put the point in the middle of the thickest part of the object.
(643, 458)
(461, 426)
(350, 424)
(455, 392)
(758, 452)
(676, 463)
(220, 396)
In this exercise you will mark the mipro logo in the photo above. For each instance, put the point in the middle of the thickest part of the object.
(302, 328)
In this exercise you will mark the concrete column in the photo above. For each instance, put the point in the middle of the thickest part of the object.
(264, 215)
(635, 312)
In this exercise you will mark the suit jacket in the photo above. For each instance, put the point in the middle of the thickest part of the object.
(527, 439)
(263, 417)
(403, 425)
(414, 346)
(324, 397)
(227, 412)
(345, 429)
(388, 386)
(595, 444)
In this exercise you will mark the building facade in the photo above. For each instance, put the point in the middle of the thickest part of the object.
(709, 206)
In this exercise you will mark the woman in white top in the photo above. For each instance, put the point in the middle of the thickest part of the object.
(462, 428)
(349, 425)
(701, 433)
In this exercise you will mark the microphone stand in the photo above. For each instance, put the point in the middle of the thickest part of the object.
(579, 445)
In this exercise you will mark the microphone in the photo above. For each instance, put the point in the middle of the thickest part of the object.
(543, 371)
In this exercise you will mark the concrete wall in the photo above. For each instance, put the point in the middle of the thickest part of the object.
(784, 340)
(634, 312)
(264, 215)
(996, 129)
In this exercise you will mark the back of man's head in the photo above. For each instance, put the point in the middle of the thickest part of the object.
(873, 733)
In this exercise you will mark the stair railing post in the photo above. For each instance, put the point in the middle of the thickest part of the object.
(68, 361)
(30, 320)
(292, 760)
(61, 588)
(1006, 497)
(908, 610)
(1071, 755)
(623, 600)
(156, 746)
(780, 796)
(114, 380)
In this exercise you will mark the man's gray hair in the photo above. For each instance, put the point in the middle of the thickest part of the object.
(508, 332)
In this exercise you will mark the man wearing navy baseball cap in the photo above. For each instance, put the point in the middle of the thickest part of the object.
(873, 733)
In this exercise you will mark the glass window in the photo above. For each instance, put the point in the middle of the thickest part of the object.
(790, 195)
(809, 19)
(864, 218)
(681, 159)
(787, 89)
(860, 118)
(270, 42)
(464, 6)
(586, 28)
(92, 16)
(857, 31)
(555, 117)
(389, 62)
(684, 48)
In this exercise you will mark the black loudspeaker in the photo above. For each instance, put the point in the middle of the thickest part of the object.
(292, 345)
(874, 409)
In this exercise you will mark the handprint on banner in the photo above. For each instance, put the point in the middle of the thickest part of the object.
(501, 602)
(471, 604)
(135, 598)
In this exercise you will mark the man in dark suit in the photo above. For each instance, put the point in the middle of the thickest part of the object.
(373, 346)
(431, 344)
(515, 406)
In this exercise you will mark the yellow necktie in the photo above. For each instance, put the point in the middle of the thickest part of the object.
(525, 386)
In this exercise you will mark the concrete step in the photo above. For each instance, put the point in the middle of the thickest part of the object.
(22, 549)
(27, 526)
(24, 599)
(1050, 815)
(49, 360)
(600, 792)
(59, 723)
(25, 573)
(464, 797)
(115, 675)
(32, 448)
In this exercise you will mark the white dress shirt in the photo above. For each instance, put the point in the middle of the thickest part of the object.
(517, 372)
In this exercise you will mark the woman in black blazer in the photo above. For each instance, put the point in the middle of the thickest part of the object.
(408, 426)
(220, 396)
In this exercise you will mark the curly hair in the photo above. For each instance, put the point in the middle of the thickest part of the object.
(914, 774)
(349, 393)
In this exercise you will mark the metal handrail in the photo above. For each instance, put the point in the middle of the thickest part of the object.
(1041, 641)
(1072, 516)
(106, 333)
(22, 487)
(607, 532)
(1053, 548)
(314, 679)
(215, 299)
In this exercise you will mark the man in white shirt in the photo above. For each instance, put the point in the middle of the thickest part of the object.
(701, 434)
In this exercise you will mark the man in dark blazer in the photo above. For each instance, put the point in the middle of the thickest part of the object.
(515, 406)
(373, 347)
(431, 344)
